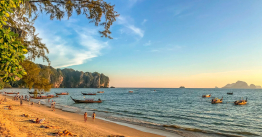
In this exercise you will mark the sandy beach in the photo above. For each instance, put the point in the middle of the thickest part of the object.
(12, 123)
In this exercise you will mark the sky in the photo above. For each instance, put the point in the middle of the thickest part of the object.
(163, 44)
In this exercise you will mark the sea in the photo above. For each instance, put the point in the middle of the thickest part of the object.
(169, 109)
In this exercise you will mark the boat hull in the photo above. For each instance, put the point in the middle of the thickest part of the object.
(86, 101)
(62, 93)
(240, 103)
(12, 93)
(206, 96)
(89, 93)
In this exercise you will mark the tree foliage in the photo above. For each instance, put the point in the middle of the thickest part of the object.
(34, 79)
(11, 48)
(94, 10)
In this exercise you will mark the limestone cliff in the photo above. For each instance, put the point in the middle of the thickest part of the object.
(70, 78)
(59, 82)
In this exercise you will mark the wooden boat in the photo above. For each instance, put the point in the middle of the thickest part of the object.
(216, 100)
(52, 96)
(230, 93)
(130, 91)
(100, 91)
(241, 102)
(41, 97)
(88, 93)
(206, 96)
(11, 93)
(37, 92)
(86, 101)
(62, 93)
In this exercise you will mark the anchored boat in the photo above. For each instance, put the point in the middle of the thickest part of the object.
(62, 93)
(230, 93)
(216, 100)
(88, 93)
(11, 93)
(206, 96)
(41, 97)
(241, 102)
(34, 93)
(86, 101)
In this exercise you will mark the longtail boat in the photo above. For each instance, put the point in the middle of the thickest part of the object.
(62, 93)
(241, 102)
(216, 100)
(86, 101)
(11, 93)
(230, 93)
(130, 91)
(100, 91)
(37, 92)
(206, 96)
(88, 93)
(42, 97)
(52, 96)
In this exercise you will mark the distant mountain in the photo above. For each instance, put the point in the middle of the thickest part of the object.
(241, 85)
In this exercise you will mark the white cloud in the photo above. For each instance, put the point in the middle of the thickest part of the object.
(135, 30)
(66, 52)
(144, 21)
(148, 43)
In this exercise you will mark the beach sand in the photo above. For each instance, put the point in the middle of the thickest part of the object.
(13, 124)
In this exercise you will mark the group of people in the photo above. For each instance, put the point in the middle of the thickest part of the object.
(93, 116)
(21, 97)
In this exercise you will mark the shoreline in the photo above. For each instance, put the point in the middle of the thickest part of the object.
(98, 127)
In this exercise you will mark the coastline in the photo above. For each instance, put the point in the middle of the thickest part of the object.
(73, 122)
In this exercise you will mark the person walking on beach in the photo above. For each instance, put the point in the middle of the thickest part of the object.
(94, 115)
(85, 116)
(39, 103)
(21, 102)
(49, 100)
(53, 105)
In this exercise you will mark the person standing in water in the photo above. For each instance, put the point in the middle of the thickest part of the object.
(85, 116)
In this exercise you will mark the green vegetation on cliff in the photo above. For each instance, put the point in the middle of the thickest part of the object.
(70, 78)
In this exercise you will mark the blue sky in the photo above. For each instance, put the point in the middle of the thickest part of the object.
(163, 43)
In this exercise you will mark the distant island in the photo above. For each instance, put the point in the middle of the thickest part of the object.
(181, 87)
(242, 85)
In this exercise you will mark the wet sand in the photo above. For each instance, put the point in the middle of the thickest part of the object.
(13, 124)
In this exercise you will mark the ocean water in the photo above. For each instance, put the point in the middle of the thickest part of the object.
(171, 108)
